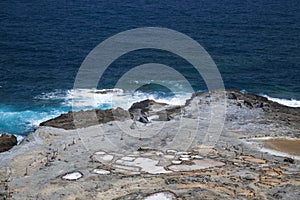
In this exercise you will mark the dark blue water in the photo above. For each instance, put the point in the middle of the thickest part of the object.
(255, 44)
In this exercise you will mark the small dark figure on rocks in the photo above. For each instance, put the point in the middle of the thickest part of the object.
(290, 160)
(138, 115)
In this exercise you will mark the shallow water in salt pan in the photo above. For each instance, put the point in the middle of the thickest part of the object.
(72, 176)
(161, 196)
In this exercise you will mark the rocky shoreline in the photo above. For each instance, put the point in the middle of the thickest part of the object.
(158, 151)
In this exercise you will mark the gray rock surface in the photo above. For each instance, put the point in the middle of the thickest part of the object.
(167, 155)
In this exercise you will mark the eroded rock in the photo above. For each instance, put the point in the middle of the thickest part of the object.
(72, 120)
(7, 142)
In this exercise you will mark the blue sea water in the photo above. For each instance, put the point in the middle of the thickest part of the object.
(255, 44)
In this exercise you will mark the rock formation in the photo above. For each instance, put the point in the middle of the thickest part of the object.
(81, 119)
(7, 142)
(96, 155)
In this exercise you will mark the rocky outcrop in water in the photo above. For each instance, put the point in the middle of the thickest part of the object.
(141, 111)
(72, 120)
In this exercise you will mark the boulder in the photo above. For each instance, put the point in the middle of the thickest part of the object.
(140, 116)
(146, 106)
(140, 111)
(7, 142)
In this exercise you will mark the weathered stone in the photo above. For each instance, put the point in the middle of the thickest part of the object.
(231, 169)
(140, 111)
(7, 142)
(146, 106)
(169, 113)
(80, 119)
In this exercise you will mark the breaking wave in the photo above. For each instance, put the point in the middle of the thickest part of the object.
(287, 102)
(21, 122)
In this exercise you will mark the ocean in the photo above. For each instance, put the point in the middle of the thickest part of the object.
(255, 45)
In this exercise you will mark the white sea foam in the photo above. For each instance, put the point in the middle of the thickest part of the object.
(110, 98)
(58, 102)
(286, 102)
(21, 122)
(55, 95)
(83, 99)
